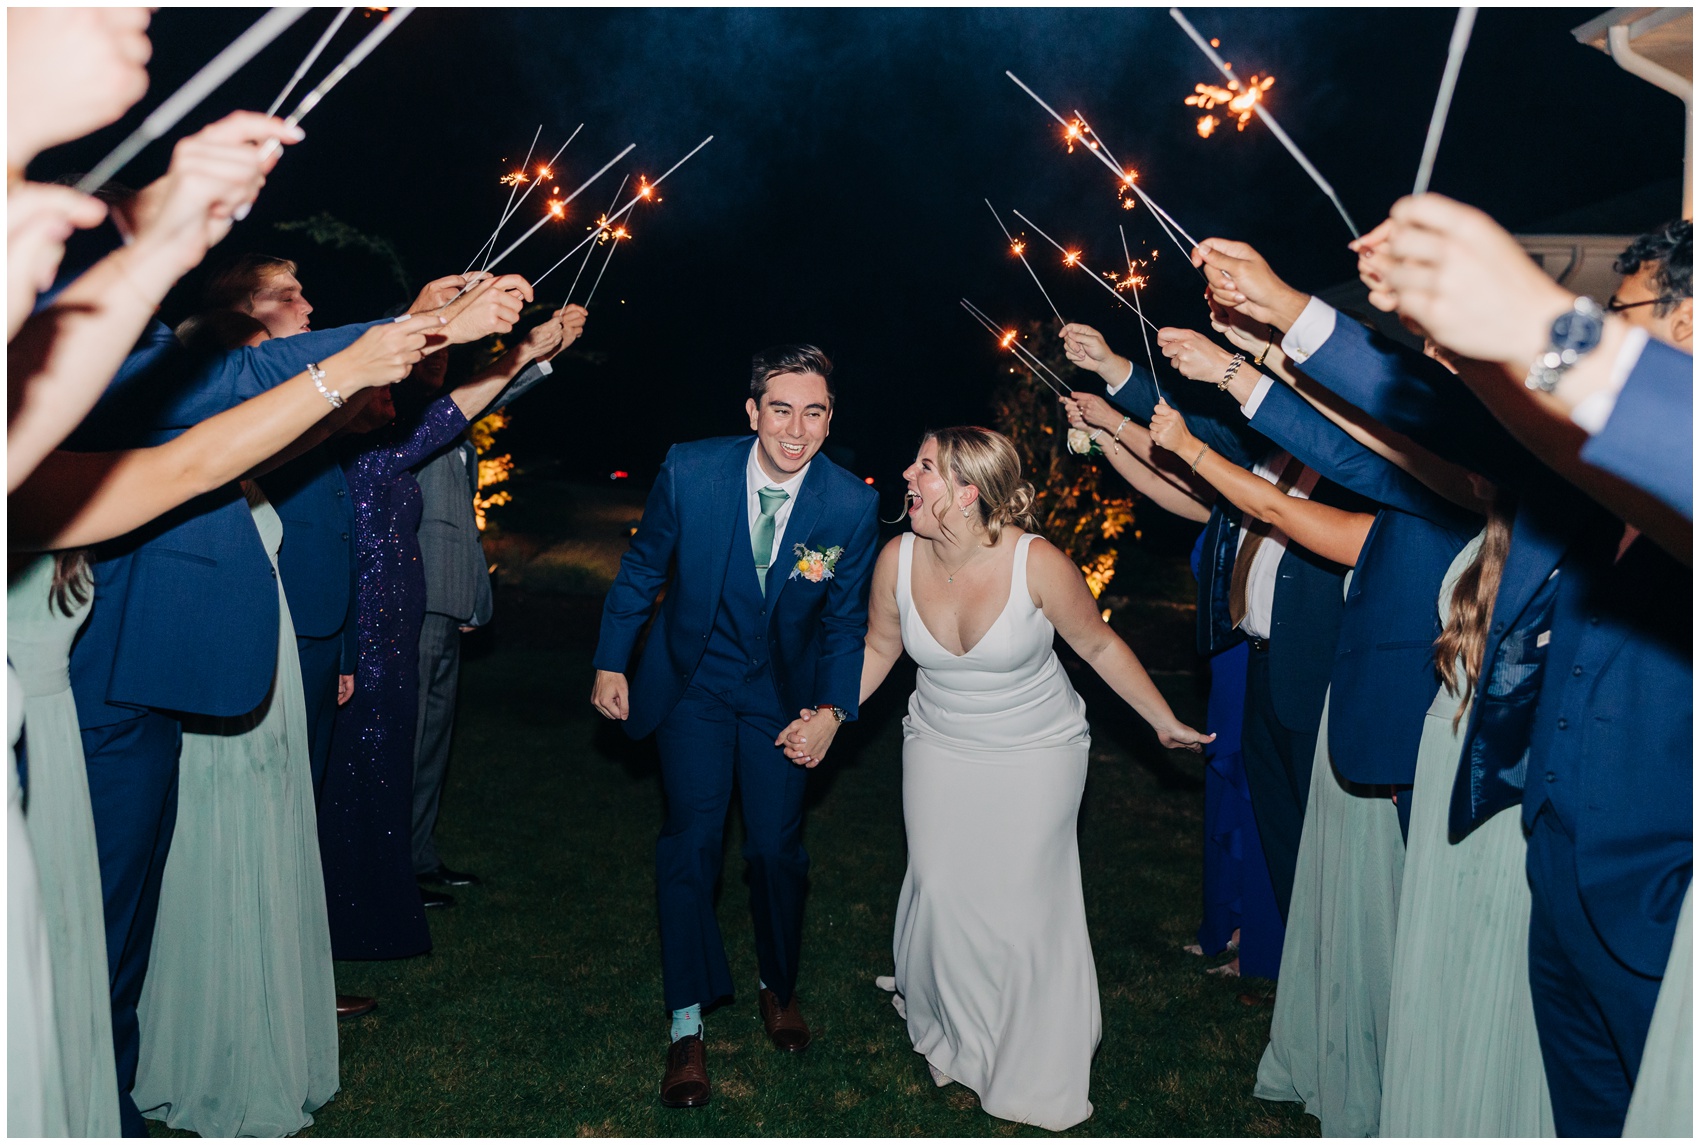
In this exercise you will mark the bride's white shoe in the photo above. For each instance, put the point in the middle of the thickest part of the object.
(888, 983)
(939, 1079)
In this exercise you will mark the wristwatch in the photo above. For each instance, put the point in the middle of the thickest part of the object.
(838, 713)
(1573, 334)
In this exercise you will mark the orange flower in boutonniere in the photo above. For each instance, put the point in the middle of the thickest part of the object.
(813, 565)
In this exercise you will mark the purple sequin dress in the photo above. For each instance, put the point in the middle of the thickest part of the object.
(366, 809)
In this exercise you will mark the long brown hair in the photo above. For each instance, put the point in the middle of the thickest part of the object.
(987, 460)
(72, 582)
(1459, 650)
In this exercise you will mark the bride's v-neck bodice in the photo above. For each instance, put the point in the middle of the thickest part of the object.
(1008, 692)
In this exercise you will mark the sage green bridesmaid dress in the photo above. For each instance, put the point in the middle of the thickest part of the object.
(1463, 1056)
(60, 825)
(1329, 1031)
(1663, 1102)
(238, 1013)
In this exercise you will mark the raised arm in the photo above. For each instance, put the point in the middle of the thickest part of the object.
(1333, 534)
(1061, 593)
(1153, 472)
(76, 499)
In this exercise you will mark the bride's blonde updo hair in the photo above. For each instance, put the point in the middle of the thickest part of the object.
(986, 459)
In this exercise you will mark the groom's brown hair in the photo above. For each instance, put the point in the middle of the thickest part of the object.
(790, 358)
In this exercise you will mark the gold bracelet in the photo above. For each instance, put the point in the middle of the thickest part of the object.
(1202, 450)
(1258, 361)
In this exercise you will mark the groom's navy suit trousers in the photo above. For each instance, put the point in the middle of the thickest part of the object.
(727, 666)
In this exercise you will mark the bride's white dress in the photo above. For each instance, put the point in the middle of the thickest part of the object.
(993, 959)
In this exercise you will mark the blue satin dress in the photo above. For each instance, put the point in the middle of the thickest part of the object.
(1237, 891)
(366, 807)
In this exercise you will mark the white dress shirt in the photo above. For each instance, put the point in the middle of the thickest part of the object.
(755, 480)
(1111, 390)
(1266, 562)
(1593, 411)
(1314, 326)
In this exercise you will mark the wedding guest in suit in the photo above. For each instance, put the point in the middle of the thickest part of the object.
(745, 639)
(1279, 597)
(1609, 859)
(1239, 903)
(458, 598)
(365, 814)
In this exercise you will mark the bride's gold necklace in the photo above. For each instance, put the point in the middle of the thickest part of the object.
(950, 576)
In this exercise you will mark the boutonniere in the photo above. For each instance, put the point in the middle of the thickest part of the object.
(814, 565)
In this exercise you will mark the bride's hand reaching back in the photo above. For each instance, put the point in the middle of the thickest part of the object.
(1179, 737)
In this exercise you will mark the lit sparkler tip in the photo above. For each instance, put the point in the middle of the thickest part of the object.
(514, 179)
(1017, 248)
(557, 208)
(543, 172)
(1008, 339)
(1071, 257)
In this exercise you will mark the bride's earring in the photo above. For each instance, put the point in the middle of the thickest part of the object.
(964, 512)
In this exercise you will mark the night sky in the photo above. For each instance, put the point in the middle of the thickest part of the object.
(840, 202)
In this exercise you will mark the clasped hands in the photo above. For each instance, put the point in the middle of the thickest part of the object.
(808, 738)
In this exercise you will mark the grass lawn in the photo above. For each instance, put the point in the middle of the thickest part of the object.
(539, 1012)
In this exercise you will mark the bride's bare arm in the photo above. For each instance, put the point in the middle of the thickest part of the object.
(885, 628)
(1060, 590)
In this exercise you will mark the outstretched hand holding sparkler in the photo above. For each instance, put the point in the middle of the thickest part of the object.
(492, 306)
(1242, 280)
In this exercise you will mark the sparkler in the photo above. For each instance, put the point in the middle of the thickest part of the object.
(1079, 129)
(312, 57)
(513, 181)
(646, 190)
(1443, 100)
(186, 98)
(349, 62)
(1072, 258)
(1263, 114)
(1007, 341)
(601, 226)
(1020, 252)
(1240, 101)
(557, 210)
(614, 238)
(544, 171)
(1140, 306)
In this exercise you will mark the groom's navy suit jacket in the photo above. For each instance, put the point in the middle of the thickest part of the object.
(185, 609)
(1586, 697)
(1384, 676)
(1649, 440)
(812, 634)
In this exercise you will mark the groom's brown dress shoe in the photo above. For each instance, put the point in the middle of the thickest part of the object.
(685, 1084)
(785, 1026)
(354, 1005)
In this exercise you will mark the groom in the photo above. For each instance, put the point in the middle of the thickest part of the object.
(765, 616)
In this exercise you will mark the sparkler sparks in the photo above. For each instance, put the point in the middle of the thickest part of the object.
(1007, 340)
(1241, 102)
(514, 179)
(1019, 248)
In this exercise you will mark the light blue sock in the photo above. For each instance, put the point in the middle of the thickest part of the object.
(687, 1021)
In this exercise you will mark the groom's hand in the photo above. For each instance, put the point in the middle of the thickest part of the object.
(608, 695)
(807, 742)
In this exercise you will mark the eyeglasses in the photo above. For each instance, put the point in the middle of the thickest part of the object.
(1617, 307)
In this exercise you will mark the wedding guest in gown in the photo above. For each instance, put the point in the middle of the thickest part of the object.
(365, 813)
(995, 975)
(77, 499)
(1239, 914)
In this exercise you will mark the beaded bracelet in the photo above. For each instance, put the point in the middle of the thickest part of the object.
(1203, 449)
(318, 377)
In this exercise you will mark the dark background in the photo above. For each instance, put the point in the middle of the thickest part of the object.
(840, 201)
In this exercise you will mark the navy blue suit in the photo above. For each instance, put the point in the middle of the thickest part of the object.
(725, 668)
(317, 567)
(184, 619)
(1286, 682)
(1585, 717)
(1649, 440)
(1384, 677)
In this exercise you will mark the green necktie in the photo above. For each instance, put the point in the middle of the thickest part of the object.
(761, 537)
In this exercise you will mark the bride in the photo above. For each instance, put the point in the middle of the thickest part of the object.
(994, 967)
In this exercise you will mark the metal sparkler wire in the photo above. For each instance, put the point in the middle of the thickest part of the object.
(1076, 261)
(643, 193)
(614, 240)
(550, 168)
(1268, 119)
(557, 210)
(312, 57)
(1443, 99)
(1140, 306)
(186, 98)
(1020, 253)
(601, 226)
(349, 62)
(507, 208)
(1007, 341)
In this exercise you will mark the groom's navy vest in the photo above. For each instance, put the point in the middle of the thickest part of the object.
(736, 652)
